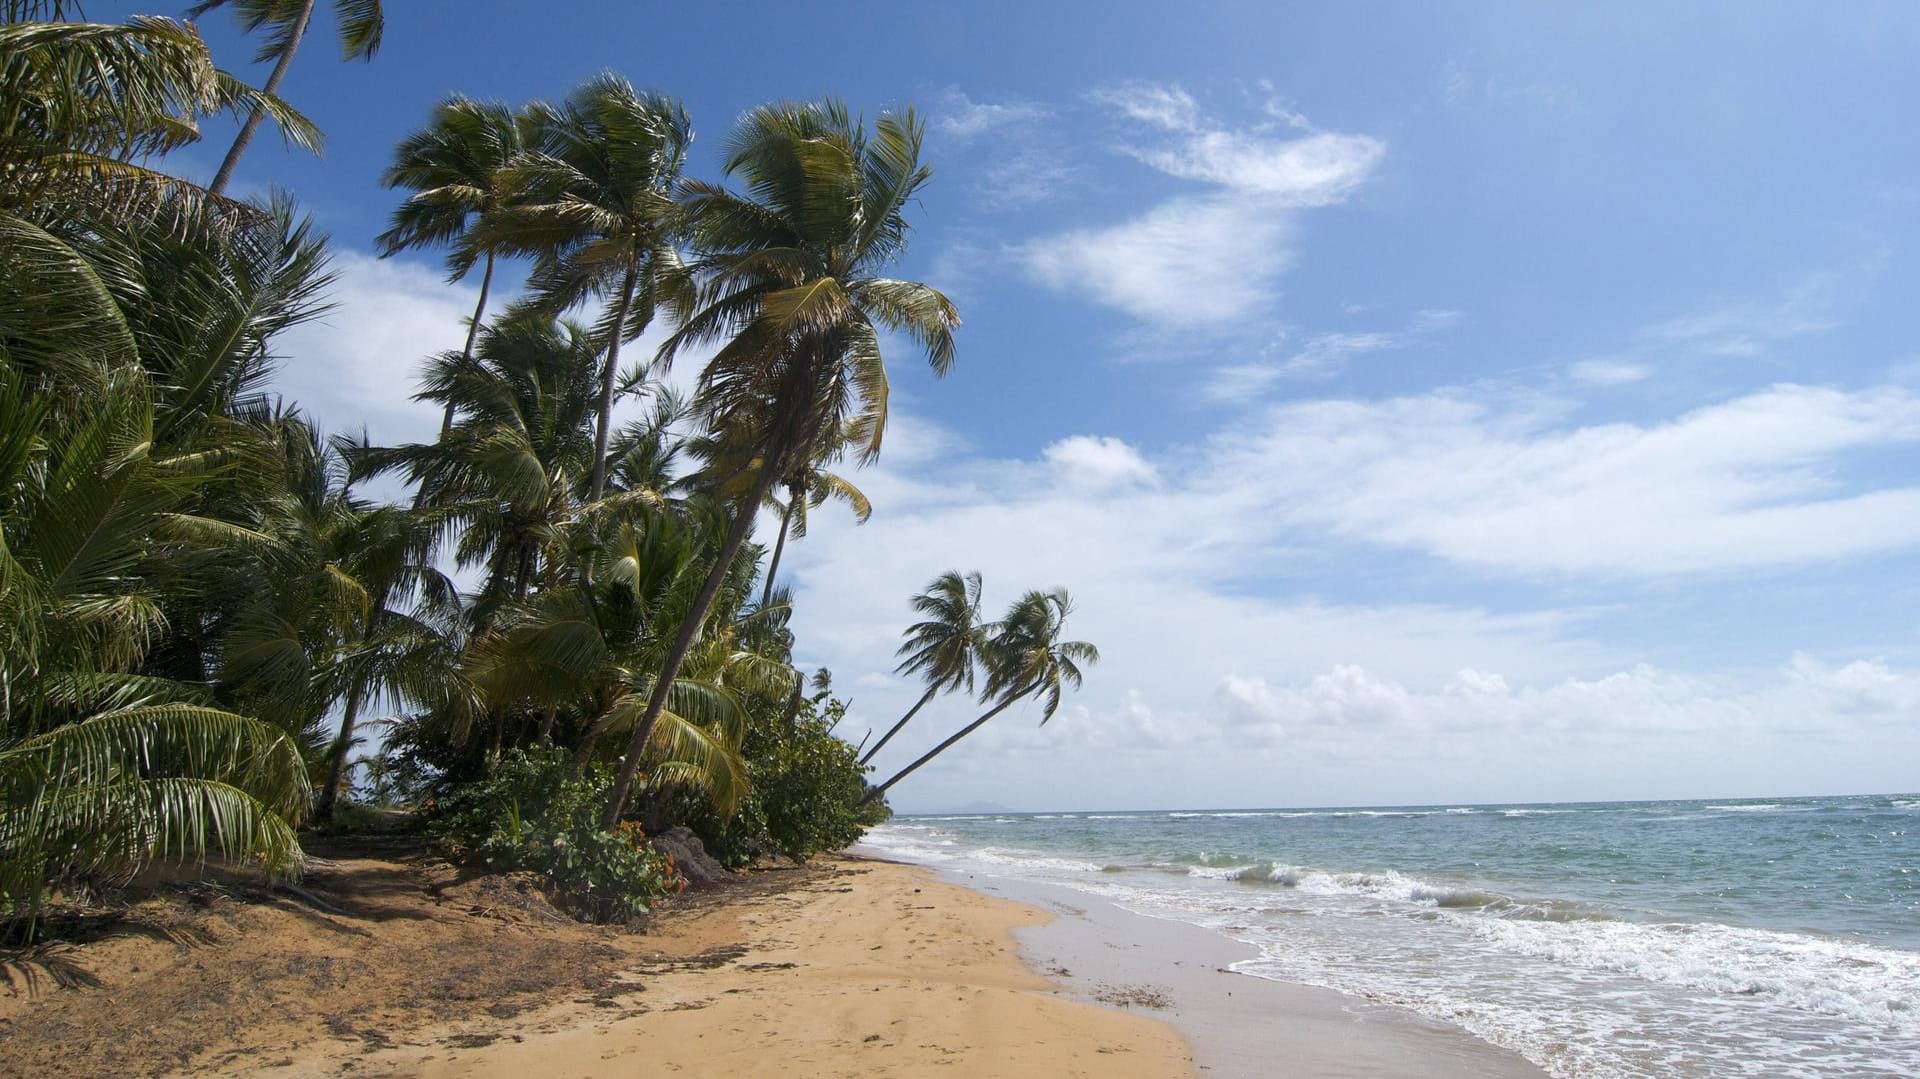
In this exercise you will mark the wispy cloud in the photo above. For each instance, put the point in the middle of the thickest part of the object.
(1751, 482)
(961, 117)
(1185, 263)
(1028, 166)
(1320, 356)
(1211, 259)
(1740, 328)
(1608, 372)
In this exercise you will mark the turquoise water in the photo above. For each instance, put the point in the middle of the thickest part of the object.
(1737, 938)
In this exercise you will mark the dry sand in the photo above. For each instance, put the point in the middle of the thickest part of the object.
(873, 969)
(840, 968)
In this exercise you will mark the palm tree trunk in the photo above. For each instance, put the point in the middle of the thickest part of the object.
(247, 130)
(903, 773)
(696, 616)
(895, 729)
(473, 335)
(546, 722)
(773, 567)
(606, 386)
(337, 756)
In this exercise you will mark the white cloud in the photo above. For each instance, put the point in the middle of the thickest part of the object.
(961, 117)
(1098, 462)
(1316, 170)
(1165, 106)
(1748, 483)
(1210, 260)
(1742, 328)
(1608, 372)
(1320, 356)
(1185, 263)
(1027, 164)
(356, 367)
(1196, 569)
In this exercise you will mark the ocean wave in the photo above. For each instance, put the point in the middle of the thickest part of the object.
(1825, 976)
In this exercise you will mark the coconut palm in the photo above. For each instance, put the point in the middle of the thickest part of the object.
(508, 476)
(1026, 658)
(84, 106)
(458, 170)
(589, 650)
(359, 25)
(788, 278)
(810, 487)
(598, 217)
(104, 767)
(945, 647)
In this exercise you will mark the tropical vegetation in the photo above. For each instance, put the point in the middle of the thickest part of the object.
(563, 632)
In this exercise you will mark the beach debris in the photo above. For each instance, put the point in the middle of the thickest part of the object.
(1133, 996)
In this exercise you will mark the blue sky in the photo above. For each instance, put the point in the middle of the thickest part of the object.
(1424, 402)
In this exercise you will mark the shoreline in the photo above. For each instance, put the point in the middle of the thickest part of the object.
(851, 965)
(1238, 1025)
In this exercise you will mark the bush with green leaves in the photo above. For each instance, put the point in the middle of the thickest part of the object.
(532, 812)
(805, 789)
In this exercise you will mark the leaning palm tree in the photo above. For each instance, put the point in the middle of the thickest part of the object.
(810, 487)
(598, 217)
(586, 650)
(458, 170)
(944, 648)
(1026, 658)
(789, 278)
(360, 24)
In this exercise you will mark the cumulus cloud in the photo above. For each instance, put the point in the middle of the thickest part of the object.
(1098, 462)
(1198, 571)
(356, 367)
(1210, 259)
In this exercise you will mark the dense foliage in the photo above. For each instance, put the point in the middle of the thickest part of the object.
(533, 811)
(567, 615)
(806, 789)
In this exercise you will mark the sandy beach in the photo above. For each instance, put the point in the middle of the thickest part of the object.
(848, 966)
(868, 968)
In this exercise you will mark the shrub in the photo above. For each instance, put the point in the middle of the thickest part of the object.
(531, 812)
(804, 794)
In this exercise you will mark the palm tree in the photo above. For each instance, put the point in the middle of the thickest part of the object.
(507, 477)
(944, 648)
(599, 217)
(360, 24)
(104, 767)
(83, 106)
(458, 170)
(1027, 658)
(811, 487)
(589, 648)
(788, 278)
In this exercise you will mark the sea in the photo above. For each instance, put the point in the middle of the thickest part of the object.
(1743, 937)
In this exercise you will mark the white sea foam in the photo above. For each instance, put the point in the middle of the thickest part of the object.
(1872, 985)
(1570, 985)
